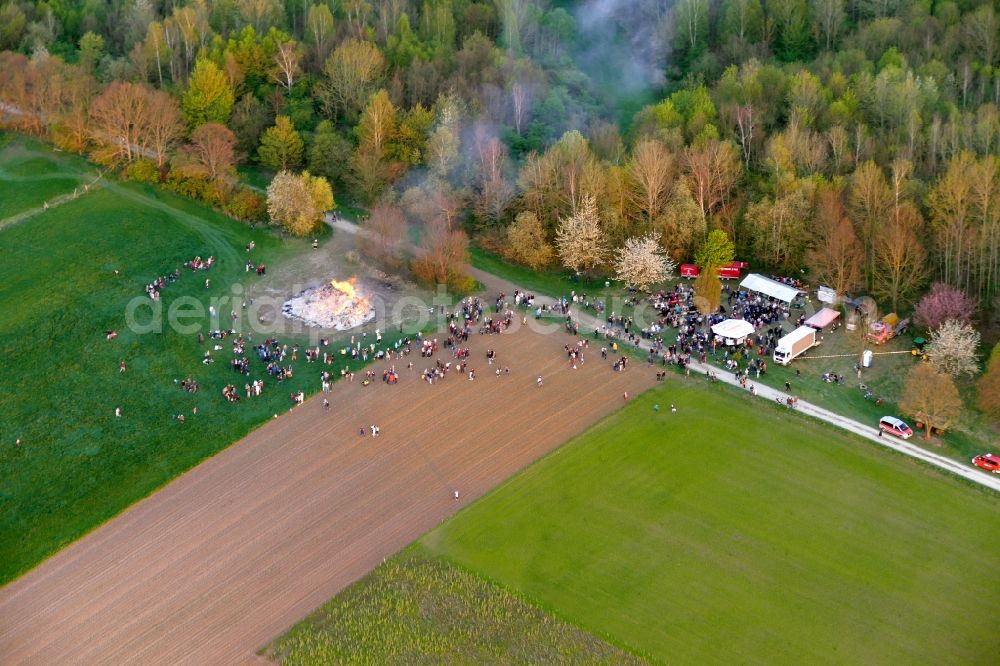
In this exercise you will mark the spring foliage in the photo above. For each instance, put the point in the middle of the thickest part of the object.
(953, 348)
(297, 202)
(641, 262)
(581, 241)
(931, 397)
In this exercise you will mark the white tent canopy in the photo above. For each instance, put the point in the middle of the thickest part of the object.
(733, 329)
(768, 287)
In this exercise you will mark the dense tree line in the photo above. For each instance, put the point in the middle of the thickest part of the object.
(856, 139)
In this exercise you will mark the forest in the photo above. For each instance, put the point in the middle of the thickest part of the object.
(851, 141)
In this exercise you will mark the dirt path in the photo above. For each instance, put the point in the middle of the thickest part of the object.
(38, 210)
(228, 556)
(81, 189)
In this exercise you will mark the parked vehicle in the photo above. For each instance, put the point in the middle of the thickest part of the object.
(729, 272)
(988, 461)
(795, 344)
(885, 330)
(894, 426)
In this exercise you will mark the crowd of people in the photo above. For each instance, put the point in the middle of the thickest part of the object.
(154, 288)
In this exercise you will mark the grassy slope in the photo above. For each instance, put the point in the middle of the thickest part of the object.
(79, 465)
(550, 282)
(416, 609)
(27, 180)
(730, 531)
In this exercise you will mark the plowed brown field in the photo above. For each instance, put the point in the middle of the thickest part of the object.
(229, 555)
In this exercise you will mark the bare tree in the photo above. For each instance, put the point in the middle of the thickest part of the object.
(443, 251)
(212, 151)
(900, 261)
(652, 170)
(951, 203)
(119, 118)
(870, 204)
(829, 16)
(493, 191)
(319, 26)
(163, 125)
(286, 65)
(837, 258)
(386, 227)
(712, 171)
(745, 125)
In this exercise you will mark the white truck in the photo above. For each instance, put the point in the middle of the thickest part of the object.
(794, 344)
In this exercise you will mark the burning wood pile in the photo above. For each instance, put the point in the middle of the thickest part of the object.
(337, 305)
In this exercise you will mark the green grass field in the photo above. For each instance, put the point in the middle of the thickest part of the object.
(28, 179)
(416, 609)
(78, 464)
(733, 532)
(550, 282)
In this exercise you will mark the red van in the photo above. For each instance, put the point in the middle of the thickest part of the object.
(988, 461)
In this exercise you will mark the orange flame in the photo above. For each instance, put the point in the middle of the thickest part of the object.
(346, 287)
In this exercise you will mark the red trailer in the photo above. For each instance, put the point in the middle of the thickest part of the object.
(729, 272)
(689, 271)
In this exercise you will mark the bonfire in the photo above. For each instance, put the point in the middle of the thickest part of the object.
(338, 305)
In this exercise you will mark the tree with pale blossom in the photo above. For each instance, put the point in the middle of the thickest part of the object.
(953, 346)
(941, 303)
(641, 262)
(581, 242)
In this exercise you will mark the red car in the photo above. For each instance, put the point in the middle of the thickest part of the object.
(988, 461)
(894, 426)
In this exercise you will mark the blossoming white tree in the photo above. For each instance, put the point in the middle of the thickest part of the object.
(953, 348)
(580, 240)
(641, 262)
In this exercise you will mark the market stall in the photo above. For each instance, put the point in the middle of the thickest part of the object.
(733, 331)
(772, 288)
(823, 318)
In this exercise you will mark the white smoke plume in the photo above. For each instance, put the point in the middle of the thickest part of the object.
(623, 43)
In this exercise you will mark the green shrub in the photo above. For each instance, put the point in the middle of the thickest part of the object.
(247, 205)
(461, 283)
(191, 186)
(216, 192)
(142, 171)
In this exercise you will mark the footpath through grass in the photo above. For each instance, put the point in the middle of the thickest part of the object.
(734, 531)
(416, 609)
(27, 179)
